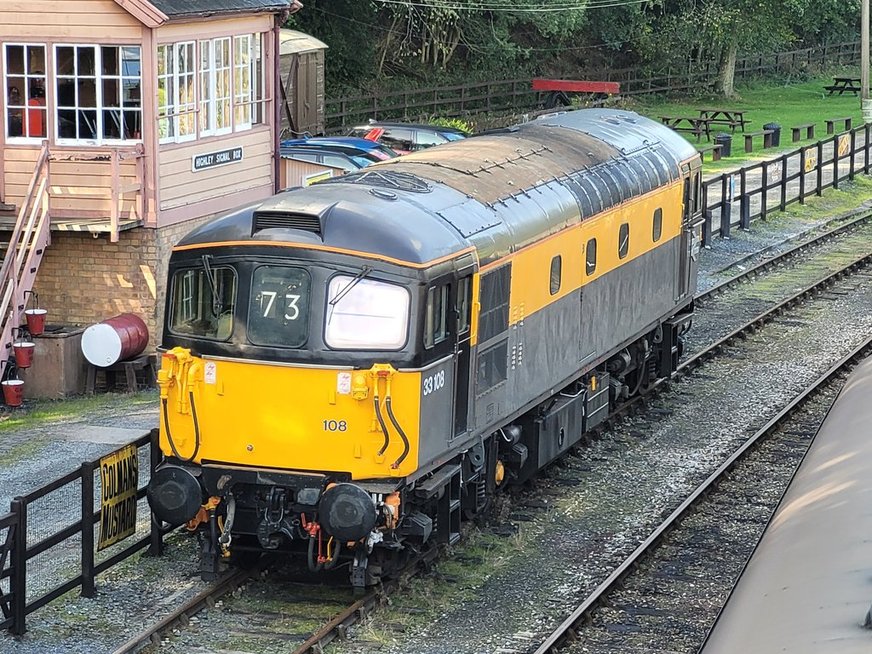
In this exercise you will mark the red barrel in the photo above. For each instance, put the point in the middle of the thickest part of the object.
(113, 340)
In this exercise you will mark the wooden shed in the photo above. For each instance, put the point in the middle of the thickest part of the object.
(301, 66)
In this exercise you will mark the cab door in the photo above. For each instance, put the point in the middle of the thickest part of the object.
(462, 353)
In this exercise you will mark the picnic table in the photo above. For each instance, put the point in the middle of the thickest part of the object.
(695, 124)
(731, 118)
(844, 84)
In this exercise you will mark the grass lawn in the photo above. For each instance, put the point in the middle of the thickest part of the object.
(788, 104)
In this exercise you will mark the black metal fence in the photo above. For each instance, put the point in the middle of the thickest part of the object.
(517, 94)
(735, 199)
(47, 540)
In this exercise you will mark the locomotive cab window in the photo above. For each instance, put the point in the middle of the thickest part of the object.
(436, 318)
(464, 297)
(203, 302)
(590, 257)
(657, 229)
(278, 314)
(623, 241)
(365, 314)
(556, 271)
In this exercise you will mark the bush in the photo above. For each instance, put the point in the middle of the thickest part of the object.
(456, 123)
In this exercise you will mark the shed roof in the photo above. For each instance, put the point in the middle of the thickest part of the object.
(293, 42)
(182, 8)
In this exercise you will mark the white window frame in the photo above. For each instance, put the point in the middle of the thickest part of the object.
(179, 113)
(243, 98)
(25, 107)
(98, 93)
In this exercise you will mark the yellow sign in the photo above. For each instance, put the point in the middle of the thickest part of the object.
(119, 479)
(810, 159)
(844, 144)
(317, 177)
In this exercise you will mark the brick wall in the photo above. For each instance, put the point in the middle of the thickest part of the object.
(83, 280)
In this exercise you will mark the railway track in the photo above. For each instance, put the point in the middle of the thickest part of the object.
(649, 591)
(835, 240)
(678, 435)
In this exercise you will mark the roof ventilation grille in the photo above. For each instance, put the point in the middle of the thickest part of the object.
(281, 220)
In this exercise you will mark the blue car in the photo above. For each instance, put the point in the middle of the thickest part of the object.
(358, 148)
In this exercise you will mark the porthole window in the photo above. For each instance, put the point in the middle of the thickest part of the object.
(556, 266)
(624, 241)
(590, 257)
(658, 224)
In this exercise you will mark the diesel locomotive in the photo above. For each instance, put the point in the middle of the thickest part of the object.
(351, 368)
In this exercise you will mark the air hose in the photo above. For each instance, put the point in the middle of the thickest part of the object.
(402, 457)
(169, 433)
(381, 423)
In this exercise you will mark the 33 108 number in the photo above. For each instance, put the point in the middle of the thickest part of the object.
(434, 382)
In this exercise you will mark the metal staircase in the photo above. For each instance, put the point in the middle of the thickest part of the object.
(24, 252)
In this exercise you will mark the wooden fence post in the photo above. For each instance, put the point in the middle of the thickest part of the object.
(802, 176)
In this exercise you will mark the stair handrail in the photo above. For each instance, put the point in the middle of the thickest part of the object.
(30, 228)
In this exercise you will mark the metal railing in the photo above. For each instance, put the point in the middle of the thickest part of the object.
(736, 198)
(47, 539)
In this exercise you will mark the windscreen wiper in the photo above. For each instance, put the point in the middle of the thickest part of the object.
(217, 303)
(345, 289)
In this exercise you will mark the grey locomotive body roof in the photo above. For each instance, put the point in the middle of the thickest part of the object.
(808, 585)
(498, 192)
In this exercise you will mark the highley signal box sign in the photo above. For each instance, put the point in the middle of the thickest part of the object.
(119, 477)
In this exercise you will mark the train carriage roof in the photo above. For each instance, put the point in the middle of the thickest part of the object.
(497, 192)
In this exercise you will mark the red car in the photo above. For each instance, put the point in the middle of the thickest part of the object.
(405, 137)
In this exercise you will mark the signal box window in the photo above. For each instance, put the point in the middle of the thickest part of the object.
(556, 268)
(658, 224)
(203, 302)
(436, 325)
(278, 313)
(624, 241)
(590, 257)
(365, 314)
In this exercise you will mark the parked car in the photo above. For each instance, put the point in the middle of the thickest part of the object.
(346, 145)
(348, 162)
(407, 137)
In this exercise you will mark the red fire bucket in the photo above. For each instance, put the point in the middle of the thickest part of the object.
(13, 391)
(35, 321)
(23, 353)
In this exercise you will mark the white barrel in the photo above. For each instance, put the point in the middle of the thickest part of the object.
(114, 340)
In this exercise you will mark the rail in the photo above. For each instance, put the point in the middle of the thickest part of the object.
(567, 631)
(47, 540)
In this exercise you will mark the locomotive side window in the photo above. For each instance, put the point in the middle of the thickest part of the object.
(494, 298)
(624, 241)
(464, 297)
(278, 312)
(364, 314)
(492, 367)
(590, 257)
(436, 325)
(556, 271)
(203, 302)
(657, 229)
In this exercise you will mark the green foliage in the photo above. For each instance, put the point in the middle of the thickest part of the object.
(378, 46)
(456, 123)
